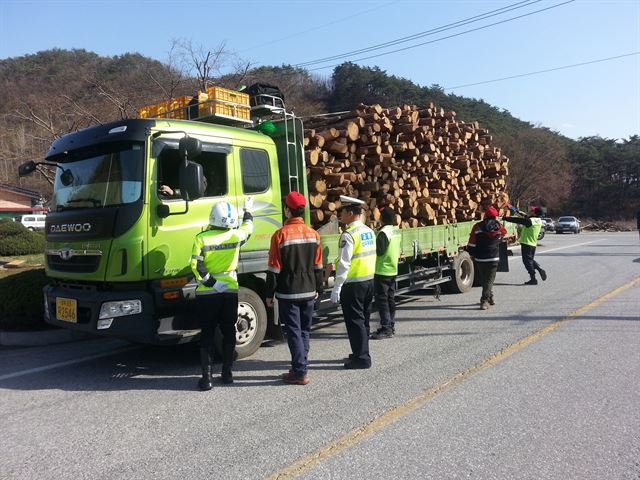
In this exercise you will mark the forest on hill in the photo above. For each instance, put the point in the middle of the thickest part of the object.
(48, 94)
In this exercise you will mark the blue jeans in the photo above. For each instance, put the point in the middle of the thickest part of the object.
(296, 318)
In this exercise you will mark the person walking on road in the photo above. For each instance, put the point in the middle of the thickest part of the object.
(353, 287)
(214, 261)
(484, 246)
(294, 278)
(531, 226)
(384, 281)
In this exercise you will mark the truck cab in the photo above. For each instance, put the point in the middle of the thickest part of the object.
(119, 241)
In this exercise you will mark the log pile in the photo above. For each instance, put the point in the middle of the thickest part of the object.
(430, 167)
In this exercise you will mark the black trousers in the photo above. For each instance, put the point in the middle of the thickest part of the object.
(219, 309)
(355, 299)
(528, 254)
(385, 291)
(487, 272)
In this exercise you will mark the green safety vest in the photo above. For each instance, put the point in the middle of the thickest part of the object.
(387, 263)
(363, 260)
(529, 235)
(219, 251)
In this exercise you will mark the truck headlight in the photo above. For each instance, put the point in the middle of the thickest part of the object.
(120, 308)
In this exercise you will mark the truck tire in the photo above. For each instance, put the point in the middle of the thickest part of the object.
(250, 326)
(462, 274)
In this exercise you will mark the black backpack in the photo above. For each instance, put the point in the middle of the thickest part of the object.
(263, 93)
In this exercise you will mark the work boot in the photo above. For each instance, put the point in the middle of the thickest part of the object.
(543, 274)
(204, 383)
(533, 281)
(226, 376)
(382, 333)
(484, 305)
(355, 364)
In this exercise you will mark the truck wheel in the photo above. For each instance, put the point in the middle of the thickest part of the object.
(462, 274)
(251, 324)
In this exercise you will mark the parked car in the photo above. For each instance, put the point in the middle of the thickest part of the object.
(33, 222)
(568, 224)
(549, 224)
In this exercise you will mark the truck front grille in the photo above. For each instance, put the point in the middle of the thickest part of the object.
(75, 264)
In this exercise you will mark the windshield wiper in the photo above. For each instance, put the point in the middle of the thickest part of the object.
(94, 201)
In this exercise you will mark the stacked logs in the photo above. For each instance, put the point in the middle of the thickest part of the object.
(431, 168)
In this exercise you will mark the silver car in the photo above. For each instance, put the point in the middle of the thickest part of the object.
(549, 224)
(568, 224)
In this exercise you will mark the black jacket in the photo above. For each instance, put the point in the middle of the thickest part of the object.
(484, 241)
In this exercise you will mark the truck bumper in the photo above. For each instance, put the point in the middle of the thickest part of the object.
(140, 327)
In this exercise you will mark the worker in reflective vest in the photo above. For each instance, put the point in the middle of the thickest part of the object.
(531, 226)
(214, 261)
(384, 282)
(353, 287)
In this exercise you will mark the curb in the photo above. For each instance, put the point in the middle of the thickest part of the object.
(45, 337)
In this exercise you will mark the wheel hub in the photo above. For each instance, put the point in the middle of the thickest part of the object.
(246, 325)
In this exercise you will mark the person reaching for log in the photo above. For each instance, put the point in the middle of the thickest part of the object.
(529, 241)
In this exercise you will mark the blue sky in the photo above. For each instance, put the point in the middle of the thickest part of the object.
(601, 98)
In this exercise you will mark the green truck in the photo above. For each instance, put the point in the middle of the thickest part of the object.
(118, 243)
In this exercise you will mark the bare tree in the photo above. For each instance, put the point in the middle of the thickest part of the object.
(539, 170)
(203, 62)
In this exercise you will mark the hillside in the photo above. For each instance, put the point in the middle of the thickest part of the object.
(50, 93)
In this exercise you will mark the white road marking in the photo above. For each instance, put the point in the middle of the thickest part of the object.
(66, 363)
(542, 252)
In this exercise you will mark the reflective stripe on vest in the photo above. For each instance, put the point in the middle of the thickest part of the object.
(219, 252)
(363, 260)
(387, 264)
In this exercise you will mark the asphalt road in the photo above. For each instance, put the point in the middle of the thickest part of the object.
(458, 393)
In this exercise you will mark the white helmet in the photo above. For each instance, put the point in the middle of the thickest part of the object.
(223, 215)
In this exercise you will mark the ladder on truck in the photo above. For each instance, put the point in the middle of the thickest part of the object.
(270, 108)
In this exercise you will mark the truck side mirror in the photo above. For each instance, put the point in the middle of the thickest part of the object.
(26, 168)
(189, 147)
(192, 181)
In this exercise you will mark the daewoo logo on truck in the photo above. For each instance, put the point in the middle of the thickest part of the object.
(70, 227)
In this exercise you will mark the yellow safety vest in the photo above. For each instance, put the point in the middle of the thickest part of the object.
(387, 263)
(216, 253)
(363, 260)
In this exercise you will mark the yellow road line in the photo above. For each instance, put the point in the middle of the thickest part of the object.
(355, 436)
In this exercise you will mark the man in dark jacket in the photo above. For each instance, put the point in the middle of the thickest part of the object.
(295, 277)
(484, 245)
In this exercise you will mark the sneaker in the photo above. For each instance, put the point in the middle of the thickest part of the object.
(381, 334)
(292, 379)
(484, 306)
(533, 281)
(491, 301)
(543, 274)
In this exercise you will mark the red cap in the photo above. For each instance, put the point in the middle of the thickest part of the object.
(491, 212)
(295, 200)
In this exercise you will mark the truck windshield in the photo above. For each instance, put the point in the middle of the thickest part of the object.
(103, 176)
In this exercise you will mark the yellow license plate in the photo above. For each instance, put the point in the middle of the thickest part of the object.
(67, 309)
